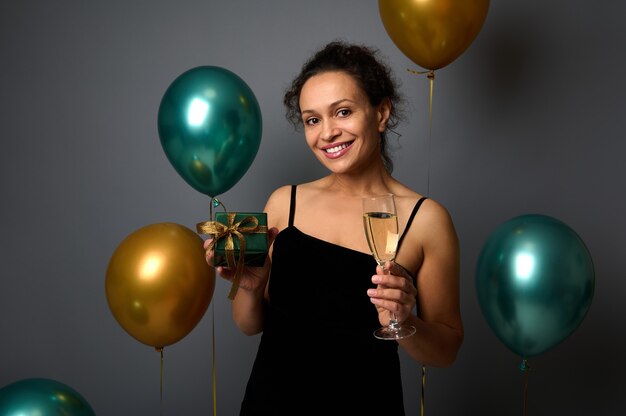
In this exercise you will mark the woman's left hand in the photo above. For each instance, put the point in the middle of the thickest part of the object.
(394, 292)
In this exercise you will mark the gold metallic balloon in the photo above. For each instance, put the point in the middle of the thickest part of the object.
(158, 283)
(433, 33)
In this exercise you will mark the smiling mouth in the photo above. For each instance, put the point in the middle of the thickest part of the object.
(338, 148)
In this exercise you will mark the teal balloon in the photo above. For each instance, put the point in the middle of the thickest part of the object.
(42, 397)
(210, 126)
(535, 282)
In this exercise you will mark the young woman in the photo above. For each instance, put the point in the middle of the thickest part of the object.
(321, 295)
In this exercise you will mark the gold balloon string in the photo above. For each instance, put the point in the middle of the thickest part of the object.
(213, 373)
(160, 351)
(526, 369)
(423, 384)
(431, 76)
(214, 204)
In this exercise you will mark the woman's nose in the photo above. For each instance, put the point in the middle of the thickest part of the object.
(330, 131)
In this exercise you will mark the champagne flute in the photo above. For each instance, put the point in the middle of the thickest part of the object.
(381, 229)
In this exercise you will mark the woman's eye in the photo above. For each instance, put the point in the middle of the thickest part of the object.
(311, 121)
(344, 112)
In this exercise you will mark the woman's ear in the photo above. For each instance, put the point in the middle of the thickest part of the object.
(383, 111)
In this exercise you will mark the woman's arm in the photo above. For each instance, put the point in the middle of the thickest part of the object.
(248, 305)
(439, 328)
(431, 250)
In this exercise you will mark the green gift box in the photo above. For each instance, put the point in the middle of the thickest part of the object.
(250, 226)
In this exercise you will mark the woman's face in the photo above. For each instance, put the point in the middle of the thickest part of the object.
(340, 125)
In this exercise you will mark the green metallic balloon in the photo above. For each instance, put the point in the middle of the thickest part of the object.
(42, 397)
(535, 282)
(210, 126)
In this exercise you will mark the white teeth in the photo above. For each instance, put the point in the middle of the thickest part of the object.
(336, 148)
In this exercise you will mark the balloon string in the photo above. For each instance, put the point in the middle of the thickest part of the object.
(423, 384)
(526, 369)
(431, 77)
(160, 351)
(213, 374)
(214, 203)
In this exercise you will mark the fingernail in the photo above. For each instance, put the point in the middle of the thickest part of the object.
(371, 292)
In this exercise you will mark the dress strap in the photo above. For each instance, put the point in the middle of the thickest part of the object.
(292, 207)
(408, 224)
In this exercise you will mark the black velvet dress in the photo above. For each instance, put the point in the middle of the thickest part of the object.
(317, 353)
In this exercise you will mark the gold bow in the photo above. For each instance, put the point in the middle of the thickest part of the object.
(238, 229)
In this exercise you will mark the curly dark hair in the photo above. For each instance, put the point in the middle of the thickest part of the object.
(362, 63)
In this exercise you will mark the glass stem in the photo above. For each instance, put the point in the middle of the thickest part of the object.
(393, 319)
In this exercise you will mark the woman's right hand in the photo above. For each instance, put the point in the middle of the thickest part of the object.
(252, 278)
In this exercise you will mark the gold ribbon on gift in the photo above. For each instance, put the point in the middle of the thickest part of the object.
(249, 224)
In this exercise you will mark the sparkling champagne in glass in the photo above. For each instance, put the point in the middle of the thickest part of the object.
(380, 221)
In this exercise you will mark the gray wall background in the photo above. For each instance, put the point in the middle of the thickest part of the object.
(530, 119)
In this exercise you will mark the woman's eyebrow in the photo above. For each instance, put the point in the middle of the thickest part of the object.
(333, 104)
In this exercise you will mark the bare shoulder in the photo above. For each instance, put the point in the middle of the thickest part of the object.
(435, 210)
(431, 235)
(277, 207)
(435, 222)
